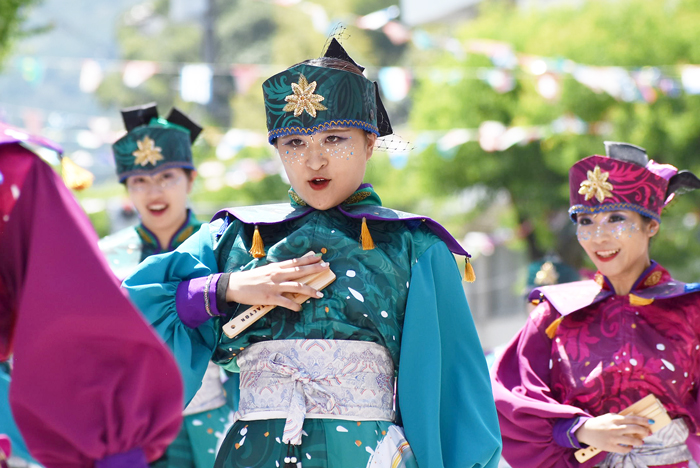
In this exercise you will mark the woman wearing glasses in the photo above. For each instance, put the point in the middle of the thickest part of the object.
(154, 162)
(593, 348)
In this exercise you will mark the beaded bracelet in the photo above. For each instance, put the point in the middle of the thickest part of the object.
(207, 305)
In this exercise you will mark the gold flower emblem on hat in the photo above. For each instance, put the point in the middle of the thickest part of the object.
(148, 152)
(597, 185)
(304, 98)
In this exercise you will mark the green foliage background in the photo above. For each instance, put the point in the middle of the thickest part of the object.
(628, 33)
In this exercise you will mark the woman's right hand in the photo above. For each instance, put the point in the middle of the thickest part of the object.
(267, 285)
(614, 433)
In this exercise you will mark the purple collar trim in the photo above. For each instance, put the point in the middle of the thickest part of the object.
(567, 298)
(10, 134)
(278, 213)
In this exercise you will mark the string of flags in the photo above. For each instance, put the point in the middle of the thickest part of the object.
(93, 135)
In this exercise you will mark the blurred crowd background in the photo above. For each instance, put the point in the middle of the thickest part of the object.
(496, 99)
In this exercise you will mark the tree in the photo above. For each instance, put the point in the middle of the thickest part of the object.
(13, 14)
(626, 33)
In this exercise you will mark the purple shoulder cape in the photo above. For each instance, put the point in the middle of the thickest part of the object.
(281, 212)
(570, 297)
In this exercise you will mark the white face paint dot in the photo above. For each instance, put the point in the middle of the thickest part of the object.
(633, 362)
(341, 429)
(6, 218)
(197, 422)
(384, 314)
(661, 347)
(15, 191)
(308, 456)
(244, 431)
(350, 273)
(406, 283)
(551, 364)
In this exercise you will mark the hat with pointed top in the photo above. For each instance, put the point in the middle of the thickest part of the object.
(624, 179)
(310, 97)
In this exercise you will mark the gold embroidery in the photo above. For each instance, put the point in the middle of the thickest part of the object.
(599, 279)
(296, 198)
(304, 98)
(148, 152)
(653, 279)
(356, 198)
(597, 185)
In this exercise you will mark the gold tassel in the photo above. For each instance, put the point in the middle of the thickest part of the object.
(74, 176)
(639, 301)
(469, 275)
(552, 328)
(258, 248)
(367, 242)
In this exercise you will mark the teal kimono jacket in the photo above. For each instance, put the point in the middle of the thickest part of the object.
(406, 294)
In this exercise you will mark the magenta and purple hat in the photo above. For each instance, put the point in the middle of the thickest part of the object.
(624, 179)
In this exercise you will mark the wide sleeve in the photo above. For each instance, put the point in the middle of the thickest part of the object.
(444, 392)
(92, 385)
(8, 427)
(160, 286)
(526, 408)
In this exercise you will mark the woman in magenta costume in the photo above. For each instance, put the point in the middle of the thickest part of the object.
(83, 390)
(592, 348)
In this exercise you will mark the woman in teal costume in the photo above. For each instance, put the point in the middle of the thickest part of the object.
(395, 318)
(154, 162)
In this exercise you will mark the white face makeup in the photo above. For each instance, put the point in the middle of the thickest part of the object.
(327, 167)
(617, 242)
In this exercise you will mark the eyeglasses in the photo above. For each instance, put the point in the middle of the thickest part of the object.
(616, 229)
(162, 181)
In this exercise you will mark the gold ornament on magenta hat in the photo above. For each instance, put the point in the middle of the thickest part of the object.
(597, 185)
(304, 98)
(147, 153)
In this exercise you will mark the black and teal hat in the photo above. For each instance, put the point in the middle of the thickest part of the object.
(306, 99)
(152, 143)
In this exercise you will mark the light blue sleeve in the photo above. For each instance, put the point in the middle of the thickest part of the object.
(153, 289)
(444, 391)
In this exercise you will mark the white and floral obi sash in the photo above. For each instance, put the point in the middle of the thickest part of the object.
(298, 379)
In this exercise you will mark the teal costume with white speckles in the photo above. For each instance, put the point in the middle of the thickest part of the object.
(406, 295)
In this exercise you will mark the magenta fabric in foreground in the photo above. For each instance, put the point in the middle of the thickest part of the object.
(90, 378)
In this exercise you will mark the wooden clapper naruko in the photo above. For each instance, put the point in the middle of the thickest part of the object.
(648, 407)
(244, 320)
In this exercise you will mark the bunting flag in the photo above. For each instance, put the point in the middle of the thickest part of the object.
(195, 83)
(137, 72)
(90, 76)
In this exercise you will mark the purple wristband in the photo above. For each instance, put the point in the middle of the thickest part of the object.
(193, 297)
(564, 431)
(134, 458)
